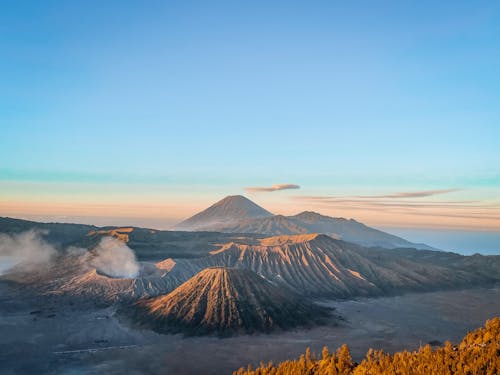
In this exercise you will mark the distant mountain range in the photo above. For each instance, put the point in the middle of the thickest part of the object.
(237, 214)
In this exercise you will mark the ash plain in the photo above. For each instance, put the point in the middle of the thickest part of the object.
(54, 335)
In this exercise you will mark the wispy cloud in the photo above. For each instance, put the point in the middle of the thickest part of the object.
(412, 207)
(258, 189)
(411, 194)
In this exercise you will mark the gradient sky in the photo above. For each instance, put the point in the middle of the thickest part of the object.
(144, 113)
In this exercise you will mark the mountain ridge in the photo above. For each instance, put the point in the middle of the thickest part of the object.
(318, 265)
(265, 223)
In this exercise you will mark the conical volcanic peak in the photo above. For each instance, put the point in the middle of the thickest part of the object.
(237, 214)
(231, 209)
(223, 301)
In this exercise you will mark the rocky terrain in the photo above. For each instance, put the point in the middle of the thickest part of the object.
(307, 264)
(224, 301)
(78, 282)
(245, 283)
(315, 264)
(47, 336)
(148, 244)
(61, 285)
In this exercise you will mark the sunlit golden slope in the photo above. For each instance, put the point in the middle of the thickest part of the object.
(225, 300)
(318, 265)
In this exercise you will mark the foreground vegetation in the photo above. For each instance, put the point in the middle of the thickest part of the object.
(478, 353)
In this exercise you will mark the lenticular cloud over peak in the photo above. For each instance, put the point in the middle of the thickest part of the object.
(277, 187)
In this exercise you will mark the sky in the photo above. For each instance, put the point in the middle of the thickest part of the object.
(125, 112)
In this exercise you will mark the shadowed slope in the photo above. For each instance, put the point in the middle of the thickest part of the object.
(148, 244)
(223, 301)
(318, 265)
(93, 285)
(350, 230)
(75, 277)
(276, 225)
(311, 222)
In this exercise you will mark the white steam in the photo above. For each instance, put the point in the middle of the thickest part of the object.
(114, 258)
(27, 250)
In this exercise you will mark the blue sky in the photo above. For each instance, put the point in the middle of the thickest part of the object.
(181, 101)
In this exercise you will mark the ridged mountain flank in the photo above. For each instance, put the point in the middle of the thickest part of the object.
(237, 214)
(318, 265)
(226, 212)
(224, 301)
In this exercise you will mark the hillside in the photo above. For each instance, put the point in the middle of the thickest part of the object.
(350, 230)
(225, 301)
(148, 244)
(318, 265)
(237, 214)
(225, 212)
(74, 277)
(477, 354)
(307, 264)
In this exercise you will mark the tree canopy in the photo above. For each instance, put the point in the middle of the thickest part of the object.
(477, 354)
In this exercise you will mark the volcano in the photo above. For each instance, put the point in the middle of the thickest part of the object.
(237, 214)
(320, 266)
(224, 301)
(75, 278)
(97, 286)
(226, 212)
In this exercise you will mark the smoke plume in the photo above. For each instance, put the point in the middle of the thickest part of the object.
(27, 250)
(114, 258)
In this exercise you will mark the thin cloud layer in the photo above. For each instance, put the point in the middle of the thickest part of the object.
(259, 189)
(411, 194)
(415, 208)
